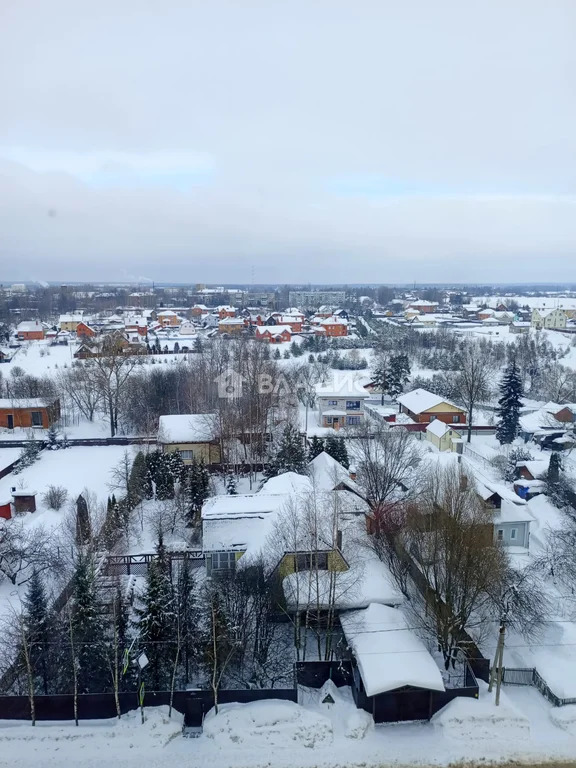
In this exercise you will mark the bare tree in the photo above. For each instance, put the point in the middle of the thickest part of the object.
(112, 369)
(385, 462)
(24, 550)
(473, 379)
(79, 387)
(453, 539)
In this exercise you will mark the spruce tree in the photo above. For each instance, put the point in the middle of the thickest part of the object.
(88, 629)
(156, 624)
(509, 404)
(380, 378)
(316, 447)
(398, 375)
(38, 630)
(290, 456)
(198, 348)
(137, 483)
(554, 467)
(231, 484)
(343, 452)
(276, 355)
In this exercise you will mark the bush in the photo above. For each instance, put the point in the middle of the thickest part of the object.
(55, 497)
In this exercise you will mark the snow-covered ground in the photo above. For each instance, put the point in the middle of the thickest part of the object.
(524, 728)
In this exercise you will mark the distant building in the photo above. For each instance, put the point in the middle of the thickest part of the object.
(553, 318)
(30, 330)
(315, 299)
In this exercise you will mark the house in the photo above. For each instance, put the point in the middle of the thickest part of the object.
(69, 322)
(192, 435)
(273, 334)
(5, 355)
(28, 412)
(333, 327)
(566, 414)
(511, 519)
(168, 318)
(423, 407)
(86, 352)
(552, 318)
(441, 435)
(531, 470)
(83, 330)
(341, 405)
(512, 525)
(224, 311)
(30, 330)
(327, 474)
(294, 322)
(423, 306)
(198, 310)
(519, 326)
(233, 325)
(387, 657)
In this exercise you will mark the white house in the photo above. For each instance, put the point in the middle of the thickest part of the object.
(552, 318)
(341, 403)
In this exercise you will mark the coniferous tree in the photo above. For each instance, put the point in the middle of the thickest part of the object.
(188, 611)
(231, 484)
(316, 447)
(509, 404)
(290, 456)
(87, 629)
(37, 625)
(342, 451)
(380, 378)
(554, 467)
(137, 484)
(156, 620)
(398, 375)
(196, 489)
(277, 355)
(198, 348)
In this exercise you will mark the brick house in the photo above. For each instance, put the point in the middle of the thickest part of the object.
(333, 327)
(30, 330)
(225, 311)
(423, 306)
(84, 331)
(273, 334)
(168, 318)
(28, 412)
(231, 325)
(423, 407)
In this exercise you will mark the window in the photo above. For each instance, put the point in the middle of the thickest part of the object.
(352, 420)
(306, 561)
(513, 533)
(455, 419)
(500, 534)
(36, 418)
(332, 402)
(223, 561)
(352, 405)
(432, 417)
(186, 455)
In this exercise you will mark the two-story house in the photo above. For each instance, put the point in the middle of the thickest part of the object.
(552, 318)
(341, 404)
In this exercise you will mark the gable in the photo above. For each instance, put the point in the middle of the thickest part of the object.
(444, 407)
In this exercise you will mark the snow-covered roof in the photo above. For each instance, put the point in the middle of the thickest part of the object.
(368, 581)
(536, 467)
(388, 653)
(71, 318)
(342, 387)
(242, 506)
(275, 330)
(327, 474)
(511, 512)
(540, 419)
(187, 428)
(290, 483)
(231, 321)
(420, 400)
(29, 325)
(25, 402)
(334, 321)
(438, 428)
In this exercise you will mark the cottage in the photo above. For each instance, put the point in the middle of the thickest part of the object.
(423, 407)
(273, 334)
(233, 325)
(193, 436)
(28, 412)
(333, 327)
(168, 318)
(70, 322)
(30, 330)
(441, 435)
(85, 331)
(341, 404)
(512, 525)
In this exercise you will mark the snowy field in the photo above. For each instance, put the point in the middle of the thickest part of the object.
(279, 734)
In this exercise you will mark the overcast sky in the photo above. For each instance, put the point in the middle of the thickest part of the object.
(288, 140)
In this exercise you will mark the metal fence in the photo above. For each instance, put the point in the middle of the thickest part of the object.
(531, 676)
